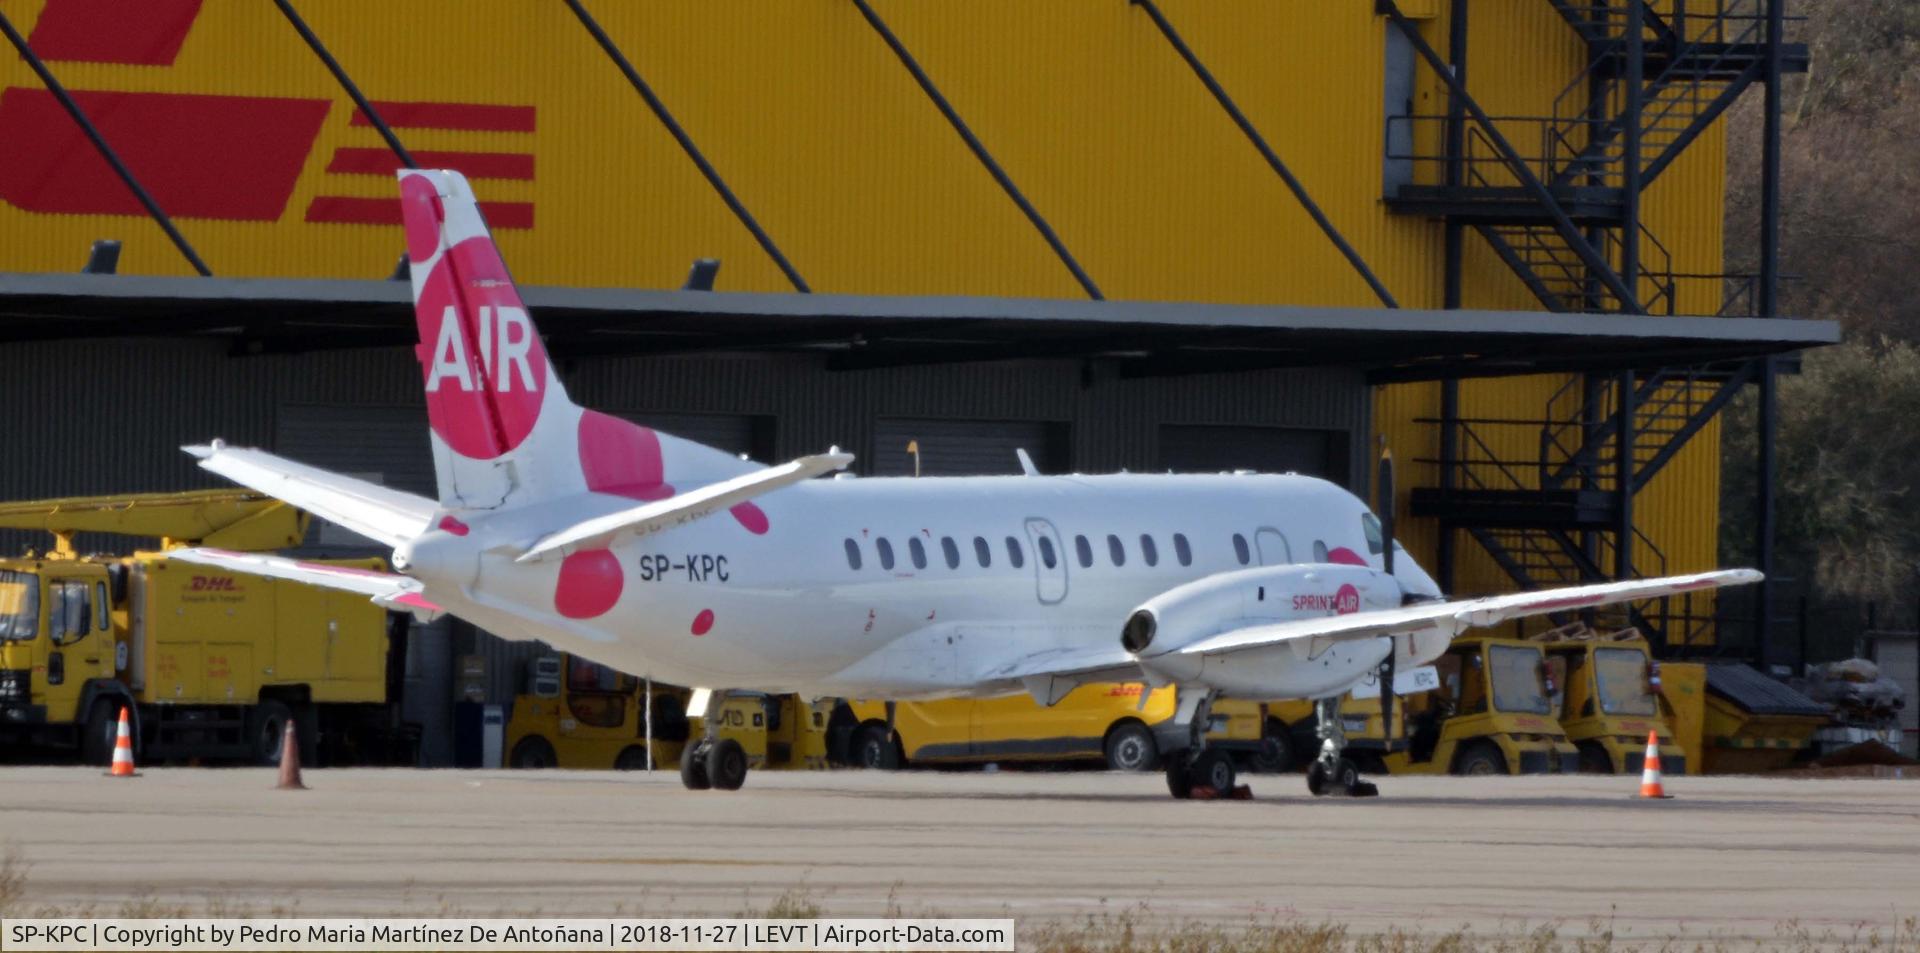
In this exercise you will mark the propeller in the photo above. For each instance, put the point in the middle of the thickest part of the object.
(1383, 509)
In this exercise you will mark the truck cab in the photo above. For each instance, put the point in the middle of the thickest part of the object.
(58, 655)
(1611, 700)
(1493, 714)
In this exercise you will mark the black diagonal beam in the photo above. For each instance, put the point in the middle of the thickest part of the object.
(346, 82)
(693, 152)
(1729, 389)
(979, 150)
(100, 145)
(1569, 232)
(1266, 152)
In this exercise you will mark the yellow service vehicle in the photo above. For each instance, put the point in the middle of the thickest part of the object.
(1609, 699)
(210, 664)
(1103, 722)
(580, 714)
(1493, 714)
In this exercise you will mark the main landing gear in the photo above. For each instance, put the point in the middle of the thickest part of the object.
(711, 761)
(1332, 773)
(1197, 769)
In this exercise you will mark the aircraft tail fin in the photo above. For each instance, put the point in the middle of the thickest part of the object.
(504, 431)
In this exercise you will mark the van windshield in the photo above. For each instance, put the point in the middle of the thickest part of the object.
(19, 606)
(1624, 685)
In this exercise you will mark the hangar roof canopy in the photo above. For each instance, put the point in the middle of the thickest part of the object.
(864, 331)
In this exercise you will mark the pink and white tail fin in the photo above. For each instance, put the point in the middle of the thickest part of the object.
(504, 431)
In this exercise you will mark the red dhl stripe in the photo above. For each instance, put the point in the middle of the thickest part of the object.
(359, 211)
(476, 165)
(471, 116)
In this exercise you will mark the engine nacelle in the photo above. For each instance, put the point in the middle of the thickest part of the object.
(1304, 668)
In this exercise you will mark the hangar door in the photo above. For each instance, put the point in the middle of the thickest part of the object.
(734, 433)
(965, 447)
(1194, 448)
(385, 444)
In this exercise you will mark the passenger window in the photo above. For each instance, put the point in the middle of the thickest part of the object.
(1240, 550)
(983, 552)
(1115, 551)
(1181, 550)
(918, 552)
(1376, 541)
(1320, 553)
(1147, 550)
(886, 552)
(1046, 553)
(1085, 551)
(951, 551)
(853, 554)
(1015, 556)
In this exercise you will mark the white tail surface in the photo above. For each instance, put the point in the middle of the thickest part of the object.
(504, 431)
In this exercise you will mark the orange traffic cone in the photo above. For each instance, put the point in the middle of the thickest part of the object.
(1650, 786)
(122, 750)
(290, 760)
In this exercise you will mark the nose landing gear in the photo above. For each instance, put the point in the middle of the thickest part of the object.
(1332, 773)
(1199, 768)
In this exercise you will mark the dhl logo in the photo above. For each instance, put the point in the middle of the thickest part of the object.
(182, 146)
(213, 584)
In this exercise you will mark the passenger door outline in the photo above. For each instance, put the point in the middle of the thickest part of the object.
(1272, 546)
(1050, 584)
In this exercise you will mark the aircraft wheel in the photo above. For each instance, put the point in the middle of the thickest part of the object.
(1213, 769)
(1317, 778)
(727, 765)
(1179, 775)
(693, 766)
(1346, 779)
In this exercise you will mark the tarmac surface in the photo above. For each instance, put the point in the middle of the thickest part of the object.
(1729, 857)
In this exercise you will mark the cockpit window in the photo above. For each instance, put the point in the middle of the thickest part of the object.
(1376, 540)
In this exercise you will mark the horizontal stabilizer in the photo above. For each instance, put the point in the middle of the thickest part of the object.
(372, 510)
(684, 508)
(387, 590)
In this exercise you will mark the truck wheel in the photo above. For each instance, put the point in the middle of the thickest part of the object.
(727, 765)
(532, 753)
(632, 758)
(1130, 747)
(1481, 759)
(101, 731)
(1594, 759)
(693, 766)
(875, 750)
(270, 719)
(1275, 754)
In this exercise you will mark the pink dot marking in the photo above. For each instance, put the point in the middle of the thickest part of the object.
(453, 526)
(752, 517)
(589, 585)
(622, 458)
(703, 623)
(1346, 557)
(417, 197)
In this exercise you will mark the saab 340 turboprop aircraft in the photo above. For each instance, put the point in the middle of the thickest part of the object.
(656, 555)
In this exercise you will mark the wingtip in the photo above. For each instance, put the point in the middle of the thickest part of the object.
(205, 450)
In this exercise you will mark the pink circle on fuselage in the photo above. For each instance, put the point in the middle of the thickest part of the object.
(589, 585)
(703, 623)
(752, 517)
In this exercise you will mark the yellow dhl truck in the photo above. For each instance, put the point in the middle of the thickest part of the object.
(209, 664)
(579, 714)
(1609, 699)
(1104, 722)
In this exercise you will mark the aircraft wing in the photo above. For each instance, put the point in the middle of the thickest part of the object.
(372, 510)
(1048, 675)
(387, 590)
(1456, 616)
(681, 509)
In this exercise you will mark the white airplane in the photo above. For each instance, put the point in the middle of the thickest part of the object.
(656, 555)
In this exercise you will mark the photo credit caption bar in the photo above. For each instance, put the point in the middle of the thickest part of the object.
(457, 934)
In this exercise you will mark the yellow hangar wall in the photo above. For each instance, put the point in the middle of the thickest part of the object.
(861, 182)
